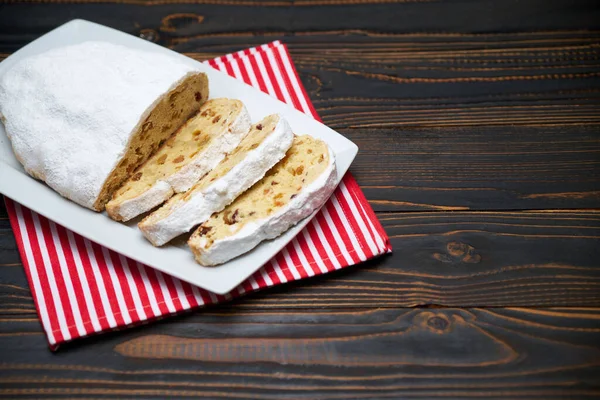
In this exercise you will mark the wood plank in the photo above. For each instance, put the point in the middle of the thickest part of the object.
(240, 22)
(9, 256)
(458, 259)
(465, 259)
(475, 168)
(363, 353)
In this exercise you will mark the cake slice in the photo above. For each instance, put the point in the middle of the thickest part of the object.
(195, 149)
(83, 117)
(266, 144)
(291, 191)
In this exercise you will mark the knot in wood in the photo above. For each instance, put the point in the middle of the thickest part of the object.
(457, 252)
(179, 21)
(438, 323)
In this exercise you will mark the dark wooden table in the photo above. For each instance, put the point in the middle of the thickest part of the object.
(479, 128)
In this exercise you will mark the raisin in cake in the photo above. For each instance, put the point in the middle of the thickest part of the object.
(83, 117)
(196, 148)
(291, 191)
(266, 144)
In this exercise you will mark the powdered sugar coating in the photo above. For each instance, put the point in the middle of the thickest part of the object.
(185, 215)
(156, 195)
(186, 177)
(298, 208)
(70, 112)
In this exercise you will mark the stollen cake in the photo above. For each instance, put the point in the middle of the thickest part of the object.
(291, 191)
(83, 117)
(266, 144)
(195, 149)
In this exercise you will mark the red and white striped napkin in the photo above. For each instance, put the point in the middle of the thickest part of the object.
(81, 288)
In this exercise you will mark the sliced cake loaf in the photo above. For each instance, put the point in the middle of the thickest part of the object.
(195, 149)
(83, 117)
(292, 190)
(266, 144)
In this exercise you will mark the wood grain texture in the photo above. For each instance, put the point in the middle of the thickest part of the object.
(366, 353)
(458, 259)
(478, 127)
(229, 23)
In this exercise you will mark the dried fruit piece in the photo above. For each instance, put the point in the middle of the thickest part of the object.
(204, 230)
(161, 160)
(230, 220)
(179, 159)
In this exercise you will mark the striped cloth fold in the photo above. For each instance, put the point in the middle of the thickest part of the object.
(81, 288)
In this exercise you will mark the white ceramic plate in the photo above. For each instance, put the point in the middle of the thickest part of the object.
(175, 260)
